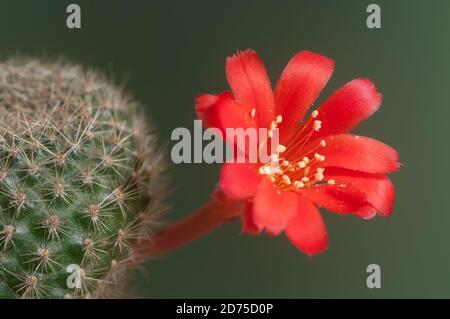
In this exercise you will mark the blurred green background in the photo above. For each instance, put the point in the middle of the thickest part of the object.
(167, 52)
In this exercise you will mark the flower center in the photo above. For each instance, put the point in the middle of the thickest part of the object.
(289, 167)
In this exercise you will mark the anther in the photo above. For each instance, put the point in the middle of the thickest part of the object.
(264, 170)
(299, 184)
(318, 177)
(273, 125)
(286, 179)
(319, 157)
(278, 119)
(317, 125)
(281, 148)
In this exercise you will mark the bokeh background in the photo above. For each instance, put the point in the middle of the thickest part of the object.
(167, 52)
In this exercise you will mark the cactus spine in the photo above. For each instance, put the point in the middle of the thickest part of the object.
(80, 181)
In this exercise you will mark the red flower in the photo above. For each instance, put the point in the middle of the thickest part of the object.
(320, 162)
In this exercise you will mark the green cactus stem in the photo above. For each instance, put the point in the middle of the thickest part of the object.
(81, 181)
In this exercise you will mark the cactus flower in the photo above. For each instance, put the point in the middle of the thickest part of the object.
(319, 163)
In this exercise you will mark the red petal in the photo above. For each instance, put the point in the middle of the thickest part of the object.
(337, 198)
(239, 181)
(273, 207)
(357, 153)
(227, 113)
(250, 84)
(347, 107)
(306, 230)
(366, 212)
(248, 225)
(298, 87)
(378, 188)
(202, 104)
(224, 113)
(206, 109)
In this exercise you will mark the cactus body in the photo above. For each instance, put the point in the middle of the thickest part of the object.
(79, 181)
